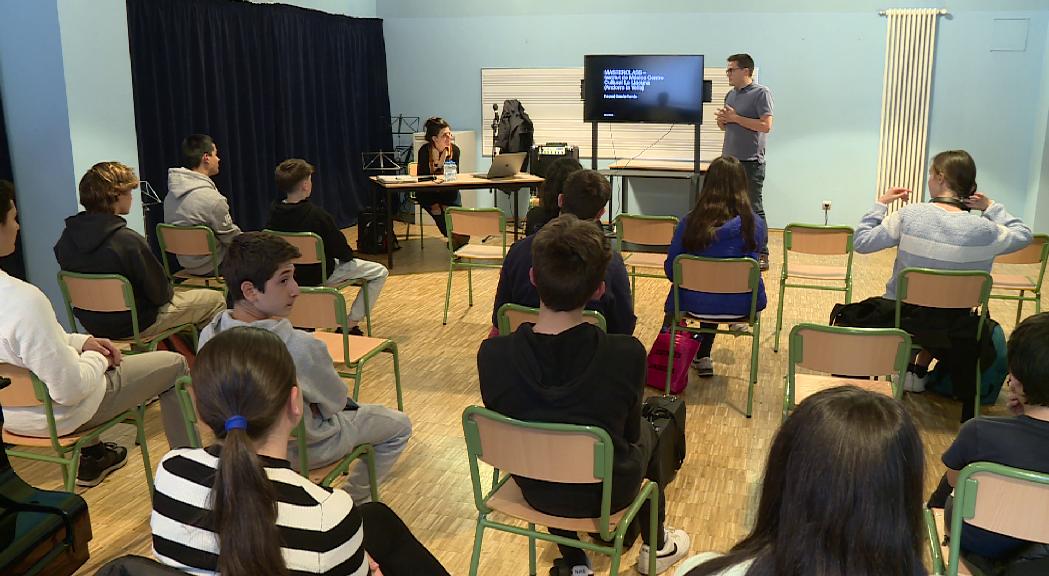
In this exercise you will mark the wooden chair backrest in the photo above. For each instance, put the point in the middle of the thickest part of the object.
(820, 241)
(565, 457)
(719, 277)
(1030, 254)
(476, 222)
(309, 245)
(186, 241)
(517, 316)
(942, 291)
(96, 294)
(1012, 507)
(317, 308)
(646, 231)
(20, 392)
(849, 353)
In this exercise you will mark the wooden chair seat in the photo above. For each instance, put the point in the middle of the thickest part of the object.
(806, 385)
(35, 442)
(360, 346)
(691, 319)
(480, 252)
(945, 550)
(816, 272)
(509, 500)
(1013, 282)
(644, 259)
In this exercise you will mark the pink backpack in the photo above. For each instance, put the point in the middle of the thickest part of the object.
(685, 348)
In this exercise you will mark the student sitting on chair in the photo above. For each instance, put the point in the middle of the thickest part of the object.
(841, 497)
(553, 183)
(98, 241)
(295, 213)
(584, 196)
(942, 234)
(439, 148)
(86, 377)
(1020, 441)
(239, 508)
(566, 370)
(721, 225)
(259, 273)
(194, 200)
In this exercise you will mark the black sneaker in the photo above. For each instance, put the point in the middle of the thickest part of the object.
(356, 331)
(95, 467)
(763, 262)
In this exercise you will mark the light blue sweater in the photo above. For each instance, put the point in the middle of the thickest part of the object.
(930, 237)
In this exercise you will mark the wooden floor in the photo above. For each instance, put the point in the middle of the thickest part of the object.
(713, 497)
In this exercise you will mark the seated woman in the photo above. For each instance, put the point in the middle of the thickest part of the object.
(842, 495)
(721, 225)
(98, 241)
(239, 508)
(439, 148)
(942, 234)
(548, 208)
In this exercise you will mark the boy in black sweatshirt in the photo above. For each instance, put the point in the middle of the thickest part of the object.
(563, 369)
(295, 213)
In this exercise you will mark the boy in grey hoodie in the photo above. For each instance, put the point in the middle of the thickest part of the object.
(261, 281)
(193, 199)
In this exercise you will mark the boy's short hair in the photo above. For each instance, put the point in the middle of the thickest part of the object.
(585, 193)
(569, 259)
(194, 147)
(1028, 353)
(290, 173)
(102, 185)
(255, 257)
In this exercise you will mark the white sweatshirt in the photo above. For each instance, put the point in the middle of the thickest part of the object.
(31, 337)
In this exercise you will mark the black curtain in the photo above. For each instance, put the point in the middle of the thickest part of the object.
(13, 264)
(267, 82)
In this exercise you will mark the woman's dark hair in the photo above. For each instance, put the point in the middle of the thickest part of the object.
(554, 182)
(245, 372)
(958, 170)
(7, 199)
(842, 493)
(433, 127)
(724, 196)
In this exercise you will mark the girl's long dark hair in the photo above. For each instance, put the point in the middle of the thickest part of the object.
(723, 197)
(842, 494)
(244, 372)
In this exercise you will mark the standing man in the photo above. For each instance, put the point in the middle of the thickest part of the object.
(747, 120)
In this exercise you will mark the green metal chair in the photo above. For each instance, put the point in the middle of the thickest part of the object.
(510, 316)
(657, 231)
(480, 222)
(113, 293)
(718, 276)
(1001, 499)
(564, 453)
(25, 391)
(190, 241)
(856, 352)
(324, 476)
(946, 289)
(324, 308)
(311, 248)
(1036, 253)
(815, 240)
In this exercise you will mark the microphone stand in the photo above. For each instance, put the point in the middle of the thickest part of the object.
(495, 129)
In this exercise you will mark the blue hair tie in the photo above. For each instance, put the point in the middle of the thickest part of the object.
(236, 422)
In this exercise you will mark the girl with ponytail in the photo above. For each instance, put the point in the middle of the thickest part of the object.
(238, 507)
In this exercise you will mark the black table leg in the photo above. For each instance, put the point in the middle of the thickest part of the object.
(516, 223)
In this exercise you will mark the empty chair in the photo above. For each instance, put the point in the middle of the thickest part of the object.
(1035, 256)
(648, 231)
(480, 222)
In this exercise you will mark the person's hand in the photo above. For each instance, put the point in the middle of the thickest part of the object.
(727, 115)
(1014, 397)
(979, 202)
(894, 194)
(373, 568)
(105, 348)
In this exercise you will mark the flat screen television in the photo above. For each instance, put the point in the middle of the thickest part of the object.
(666, 89)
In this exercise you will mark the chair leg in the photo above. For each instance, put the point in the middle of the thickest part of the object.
(531, 550)
(1019, 307)
(670, 353)
(475, 558)
(140, 428)
(470, 284)
(779, 312)
(357, 375)
(373, 477)
(633, 286)
(976, 402)
(848, 290)
(71, 468)
(396, 374)
(367, 307)
(448, 291)
(753, 366)
(653, 511)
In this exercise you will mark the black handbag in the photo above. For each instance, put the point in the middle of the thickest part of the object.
(667, 415)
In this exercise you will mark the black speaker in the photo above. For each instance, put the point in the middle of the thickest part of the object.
(543, 155)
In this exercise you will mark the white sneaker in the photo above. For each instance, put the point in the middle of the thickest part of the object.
(739, 327)
(704, 366)
(914, 383)
(674, 548)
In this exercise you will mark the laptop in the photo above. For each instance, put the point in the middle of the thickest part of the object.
(505, 165)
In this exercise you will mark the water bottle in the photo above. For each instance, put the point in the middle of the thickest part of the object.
(450, 170)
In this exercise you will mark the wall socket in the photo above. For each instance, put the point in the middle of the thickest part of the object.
(826, 204)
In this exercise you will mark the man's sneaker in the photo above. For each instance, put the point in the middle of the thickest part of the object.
(561, 568)
(914, 383)
(704, 366)
(674, 548)
(739, 327)
(95, 467)
(763, 262)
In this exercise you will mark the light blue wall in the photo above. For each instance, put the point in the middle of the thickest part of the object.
(823, 61)
(1038, 190)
